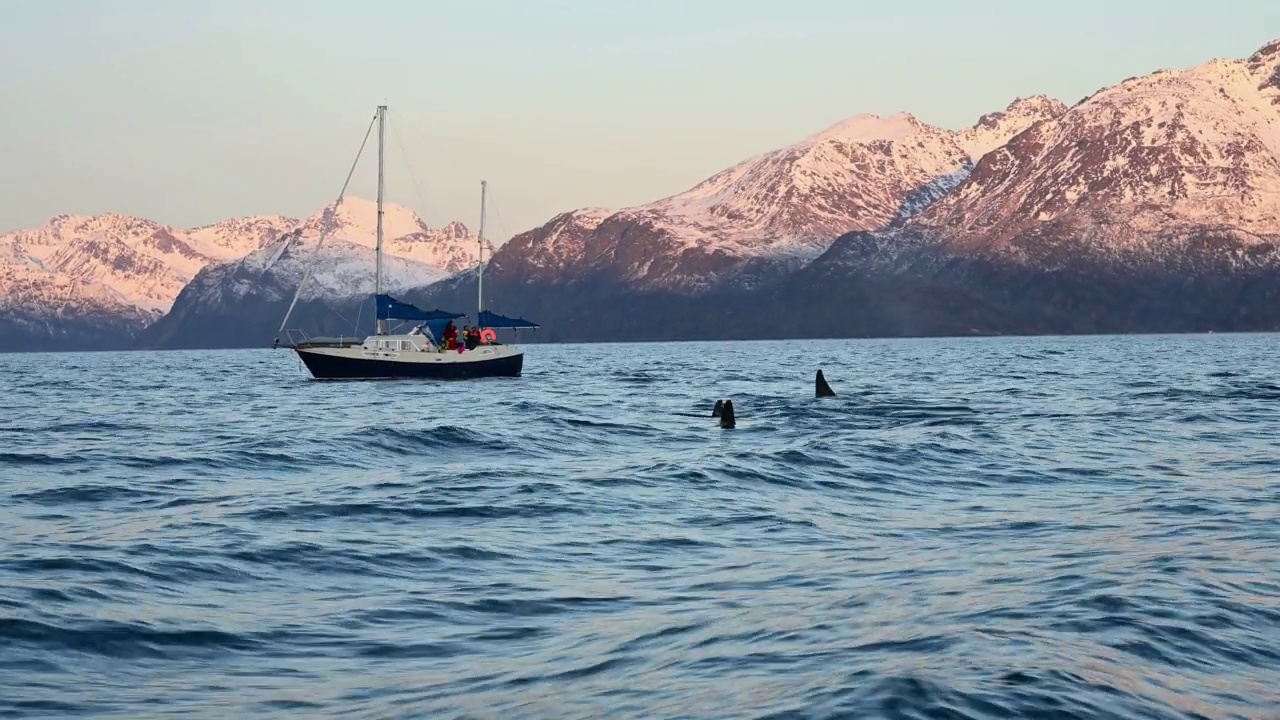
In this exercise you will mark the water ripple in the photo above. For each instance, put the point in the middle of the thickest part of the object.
(993, 528)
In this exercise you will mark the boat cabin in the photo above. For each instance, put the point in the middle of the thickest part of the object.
(399, 343)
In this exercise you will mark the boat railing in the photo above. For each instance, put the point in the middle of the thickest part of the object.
(300, 339)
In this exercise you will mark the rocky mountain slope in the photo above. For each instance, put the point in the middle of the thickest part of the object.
(123, 273)
(776, 210)
(1151, 205)
(1133, 171)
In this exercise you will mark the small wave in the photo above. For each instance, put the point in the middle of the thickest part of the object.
(386, 511)
(38, 459)
(75, 565)
(1252, 391)
(409, 442)
(122, 640)
(76, 494)
(535, 607)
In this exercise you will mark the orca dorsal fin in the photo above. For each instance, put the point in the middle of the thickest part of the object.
(821, 388)
(727, 419)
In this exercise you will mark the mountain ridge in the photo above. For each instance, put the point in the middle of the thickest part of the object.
(1150, 205)
(133, 269)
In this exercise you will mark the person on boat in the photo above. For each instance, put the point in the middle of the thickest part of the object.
(450, 335)
(473, 337)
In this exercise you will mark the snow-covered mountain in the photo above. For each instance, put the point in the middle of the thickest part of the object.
(1168, 169)
(784, 206)
(137, 261)
(414, 254)
(1153, 205)
(133, 269)
(266, 279)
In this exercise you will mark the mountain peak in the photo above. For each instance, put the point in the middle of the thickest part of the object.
(1268, 52)
(1037, 104)
(354, 217)
(867, 128)
(995, 129)
(1265, 66)
(455, 229)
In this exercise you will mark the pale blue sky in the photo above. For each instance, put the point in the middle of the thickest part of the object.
(192, 111)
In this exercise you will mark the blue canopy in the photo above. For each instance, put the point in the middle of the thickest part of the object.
(491, 320)
(437, 327)
(391, 309)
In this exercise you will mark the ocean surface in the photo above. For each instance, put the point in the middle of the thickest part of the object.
(974, 528)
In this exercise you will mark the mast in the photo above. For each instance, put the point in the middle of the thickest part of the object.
(484, 186)
(381, 328)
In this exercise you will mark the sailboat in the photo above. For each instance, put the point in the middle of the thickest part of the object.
(416, 353)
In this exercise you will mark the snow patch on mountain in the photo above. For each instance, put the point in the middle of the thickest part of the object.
(853, 175)
(451, 248)
(548, 251)
(238, 237)
(34, 290)
(1130, 170)
(341, 269)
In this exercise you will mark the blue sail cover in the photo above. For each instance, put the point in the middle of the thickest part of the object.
(391, 309)
(491, 320)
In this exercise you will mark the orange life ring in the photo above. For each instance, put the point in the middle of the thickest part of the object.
(487, 336)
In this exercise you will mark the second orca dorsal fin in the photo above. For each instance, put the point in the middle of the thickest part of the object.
(727, 419)
(821, 388)
(719, 408)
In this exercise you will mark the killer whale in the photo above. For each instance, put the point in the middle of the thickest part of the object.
(821, 388)
(727, 420)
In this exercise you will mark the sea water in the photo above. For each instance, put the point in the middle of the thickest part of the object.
(972, 528)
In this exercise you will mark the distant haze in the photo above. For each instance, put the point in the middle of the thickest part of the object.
(189, 113)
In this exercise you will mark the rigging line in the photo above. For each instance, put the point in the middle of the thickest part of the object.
(498, 211)
(426, 142)
(354, 326)
(324, 232)
(422, 201)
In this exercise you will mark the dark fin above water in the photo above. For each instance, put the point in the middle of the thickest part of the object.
(715, 411)
(821, 388)
(727, 420)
